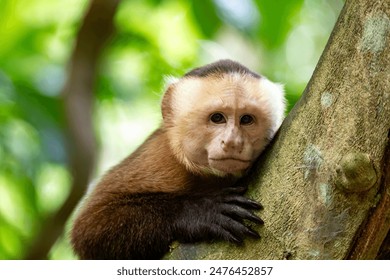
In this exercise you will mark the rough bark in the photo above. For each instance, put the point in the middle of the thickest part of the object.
(324, 181)
(77, 96)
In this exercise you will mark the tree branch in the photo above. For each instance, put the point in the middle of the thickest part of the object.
(77, 96)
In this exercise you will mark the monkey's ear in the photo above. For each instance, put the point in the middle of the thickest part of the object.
(276, 101)
(166, 103)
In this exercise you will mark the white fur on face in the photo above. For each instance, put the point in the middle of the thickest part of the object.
(275, 98)
(197, 141)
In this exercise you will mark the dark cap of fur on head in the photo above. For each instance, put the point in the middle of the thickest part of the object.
(224, 66)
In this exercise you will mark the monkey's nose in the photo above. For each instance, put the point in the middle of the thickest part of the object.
(231, 146)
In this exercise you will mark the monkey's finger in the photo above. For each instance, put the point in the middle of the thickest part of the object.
(238, 212)
(219, 231)
(243, 201)
(238, 229)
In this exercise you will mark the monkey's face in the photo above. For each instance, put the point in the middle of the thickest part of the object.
(220, 124)
(235, 137)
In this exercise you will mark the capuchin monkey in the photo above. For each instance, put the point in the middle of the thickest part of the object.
(181, 183)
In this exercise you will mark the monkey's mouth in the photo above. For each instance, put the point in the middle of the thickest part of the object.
(229, 164)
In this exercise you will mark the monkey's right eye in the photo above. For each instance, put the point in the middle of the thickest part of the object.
(217, 118)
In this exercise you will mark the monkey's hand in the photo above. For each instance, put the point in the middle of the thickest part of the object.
(218, 215)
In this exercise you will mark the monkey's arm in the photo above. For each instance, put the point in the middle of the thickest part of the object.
(124, 226)
(142, 226)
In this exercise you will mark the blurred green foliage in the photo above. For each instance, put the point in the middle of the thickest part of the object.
(282, 39)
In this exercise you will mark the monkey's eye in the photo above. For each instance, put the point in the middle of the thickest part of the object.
(246, 120)
(217, 118)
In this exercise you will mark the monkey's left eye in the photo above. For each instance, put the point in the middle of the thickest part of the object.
(217, 118)
(246, 120)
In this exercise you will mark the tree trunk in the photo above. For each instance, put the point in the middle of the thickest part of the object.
(324, 181)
